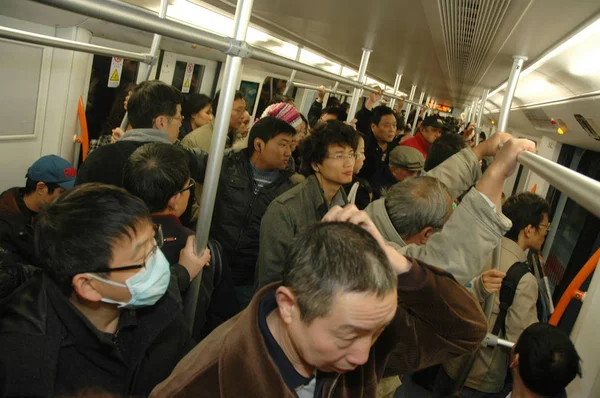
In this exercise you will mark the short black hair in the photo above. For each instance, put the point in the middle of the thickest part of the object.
(315, 146)
(266, 129)
(379, 112)
(524, 209)
(76, 233)
(443, 148)
(345, 106)
(548, 361)
(31, 185)
(334, 110)
(238, 95)
(194, 103)
(154, 172)
(333, 102)
(151, 99)
(335, 257)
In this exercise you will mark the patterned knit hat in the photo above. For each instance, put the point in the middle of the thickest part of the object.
(285, 112)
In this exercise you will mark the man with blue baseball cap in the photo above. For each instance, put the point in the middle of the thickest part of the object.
(47, 178)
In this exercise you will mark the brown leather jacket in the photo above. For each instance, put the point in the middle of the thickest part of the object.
(436, 320)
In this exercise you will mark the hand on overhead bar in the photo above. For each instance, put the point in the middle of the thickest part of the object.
(321, 93)
(374, 98)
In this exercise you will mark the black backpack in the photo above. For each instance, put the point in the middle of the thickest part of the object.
(507, 294)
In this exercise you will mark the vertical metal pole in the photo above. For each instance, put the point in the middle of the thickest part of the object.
(411, 98)
(289, 83)
(231, 73)
(154, 48)
(335, 87)
(481, 109)
(473, 111)
(362, 71)
(396, 87)
(417, 111)
(511, 87)
(427, 105)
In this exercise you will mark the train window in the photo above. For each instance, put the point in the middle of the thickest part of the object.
(250, 92)
(271, 89)
(104, 110)
(189, 85)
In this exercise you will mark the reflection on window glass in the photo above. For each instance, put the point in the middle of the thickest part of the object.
(193, 84)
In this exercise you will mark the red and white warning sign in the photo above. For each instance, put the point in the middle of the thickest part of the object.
(187, 79)
(116, 69)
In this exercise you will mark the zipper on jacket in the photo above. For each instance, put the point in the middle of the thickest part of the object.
(330, 395)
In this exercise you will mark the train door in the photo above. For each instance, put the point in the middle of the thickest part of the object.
(577, 238)
(189, 74)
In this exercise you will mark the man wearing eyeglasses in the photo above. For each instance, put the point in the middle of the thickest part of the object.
(156, 174)
(328, 158)
(529, 214)
(154, 110)
(105, 315)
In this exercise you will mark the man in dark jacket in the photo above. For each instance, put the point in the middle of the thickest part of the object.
(104, 314)
(379, 142)
(154, 110)
(346, 303)
(156, 174)
(47, 178)
(250, 180)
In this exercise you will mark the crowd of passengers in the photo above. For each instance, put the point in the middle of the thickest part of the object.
(342, 258)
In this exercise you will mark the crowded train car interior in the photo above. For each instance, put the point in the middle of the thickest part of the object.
(530, 68)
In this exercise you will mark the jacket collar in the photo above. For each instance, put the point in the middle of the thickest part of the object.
(513, 247)
(146, 135)
(315, 194)
(245, 341)
(13, 208)
(378, 213)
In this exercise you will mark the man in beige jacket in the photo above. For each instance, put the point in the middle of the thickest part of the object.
(529, 214)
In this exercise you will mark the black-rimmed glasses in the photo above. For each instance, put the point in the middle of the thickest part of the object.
(190, 186)
(158, 242)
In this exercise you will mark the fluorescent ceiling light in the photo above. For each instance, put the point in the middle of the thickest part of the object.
(588, 31)
(202, 17)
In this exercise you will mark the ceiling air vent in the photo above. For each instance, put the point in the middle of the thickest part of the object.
(469, 28)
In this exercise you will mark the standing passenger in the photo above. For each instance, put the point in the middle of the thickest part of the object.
(529, 214)
(347, 302)
(359, 188)
(104, 315)
(201, 137)
(197, 111)
(429, 131)
(404, 162)
(328, 159)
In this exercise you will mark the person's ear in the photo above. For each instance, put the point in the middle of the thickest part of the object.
(258, 145)
(515, 362)
(425, 234)
(41, 188)
(315, 167)
(287, 304)
(83, 286)
(173, 200)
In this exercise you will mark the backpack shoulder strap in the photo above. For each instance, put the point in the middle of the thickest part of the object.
(507, 293)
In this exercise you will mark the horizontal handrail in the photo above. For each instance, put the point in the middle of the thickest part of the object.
(51, 41)
(582, 189)
(573, 291)
(137, 18)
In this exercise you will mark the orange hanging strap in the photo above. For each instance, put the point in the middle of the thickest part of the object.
(83, 139)
(534, 188)
(573, 291)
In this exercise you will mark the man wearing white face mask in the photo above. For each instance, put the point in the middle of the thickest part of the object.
(105, 314)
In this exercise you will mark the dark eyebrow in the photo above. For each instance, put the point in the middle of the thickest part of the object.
(139, 246)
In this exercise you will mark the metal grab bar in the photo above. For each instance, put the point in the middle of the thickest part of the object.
(573, 291)
(51, 41)
(582, 189)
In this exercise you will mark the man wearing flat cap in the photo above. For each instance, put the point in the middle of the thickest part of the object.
(404, 162)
